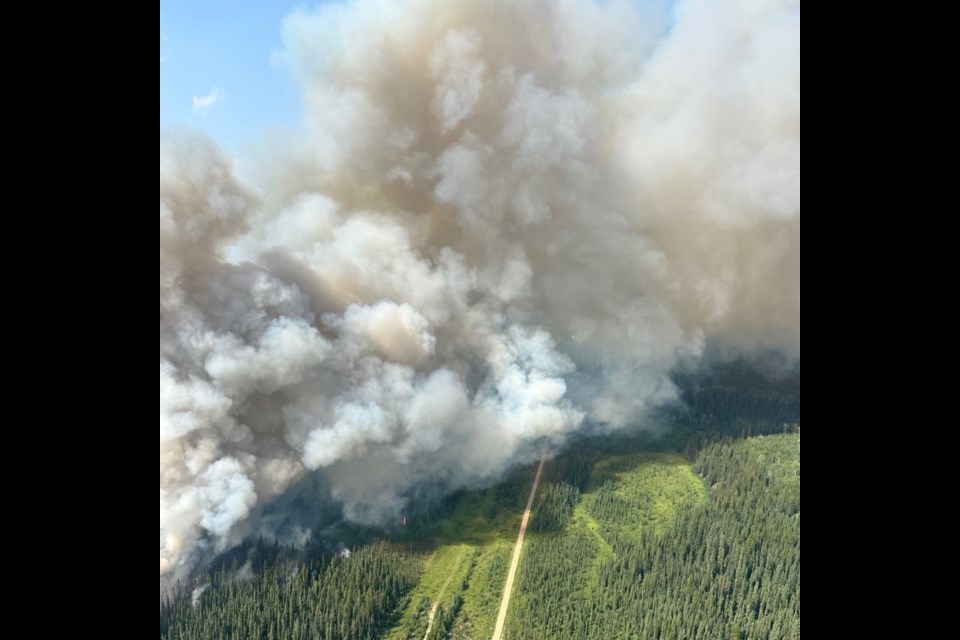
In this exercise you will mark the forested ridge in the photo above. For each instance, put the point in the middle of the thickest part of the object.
(724, 567)
(692, 534)
(331, 597)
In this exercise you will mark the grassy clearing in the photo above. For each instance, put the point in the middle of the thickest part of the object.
(629, 495)
(481, 598)
(649, 552)
(443, 574)
(488, 516)
(625, 496)
(470, 549)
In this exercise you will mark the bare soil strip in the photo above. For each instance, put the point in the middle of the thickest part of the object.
(517, 552)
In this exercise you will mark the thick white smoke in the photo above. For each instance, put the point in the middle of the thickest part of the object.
(508, 219)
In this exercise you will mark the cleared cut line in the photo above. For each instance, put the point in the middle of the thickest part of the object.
(431, 618)
(517, 552)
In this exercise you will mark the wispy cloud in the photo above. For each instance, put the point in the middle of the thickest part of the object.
(203, 105)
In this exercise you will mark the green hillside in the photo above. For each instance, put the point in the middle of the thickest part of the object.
(640, 546)
(691, 535)
(661, 548)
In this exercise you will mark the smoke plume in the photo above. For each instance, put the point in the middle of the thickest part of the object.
(506, 220)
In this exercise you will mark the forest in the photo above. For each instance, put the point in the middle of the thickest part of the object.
(693, 532)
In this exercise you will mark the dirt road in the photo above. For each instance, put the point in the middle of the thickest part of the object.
(517, 552)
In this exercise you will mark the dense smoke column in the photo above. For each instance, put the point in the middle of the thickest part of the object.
(508, 220)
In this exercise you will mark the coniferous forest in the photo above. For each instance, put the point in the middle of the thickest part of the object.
(692, 533)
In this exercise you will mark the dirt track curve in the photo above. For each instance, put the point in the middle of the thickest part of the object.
(432, 616)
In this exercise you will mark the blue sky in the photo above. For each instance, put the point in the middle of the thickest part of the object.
(216, 69)
(220, 51)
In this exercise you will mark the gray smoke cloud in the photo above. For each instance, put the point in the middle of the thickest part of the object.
(507, 220)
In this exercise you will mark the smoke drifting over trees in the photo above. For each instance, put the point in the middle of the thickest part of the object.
(507, 219)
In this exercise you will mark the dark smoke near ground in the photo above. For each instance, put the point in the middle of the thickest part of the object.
(506, 220)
